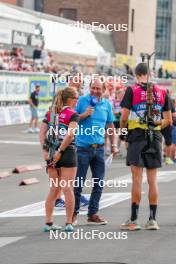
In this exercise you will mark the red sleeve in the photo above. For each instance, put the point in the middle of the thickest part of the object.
(47, 118)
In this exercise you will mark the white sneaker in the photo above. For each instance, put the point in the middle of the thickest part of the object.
(30, 130)
(152, 225)
(36, 130)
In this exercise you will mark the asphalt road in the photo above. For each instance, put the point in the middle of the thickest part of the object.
(22, 240)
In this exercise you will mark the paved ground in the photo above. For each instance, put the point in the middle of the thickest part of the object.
(21, 238)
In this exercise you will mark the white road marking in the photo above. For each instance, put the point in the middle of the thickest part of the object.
(163, 176)
(37, 209)
(8, 240)
(166, 176)
(107, 199)
(19, 142)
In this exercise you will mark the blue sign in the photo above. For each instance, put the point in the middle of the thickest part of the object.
(44, 87)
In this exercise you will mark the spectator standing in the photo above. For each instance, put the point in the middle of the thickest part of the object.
(34, 103)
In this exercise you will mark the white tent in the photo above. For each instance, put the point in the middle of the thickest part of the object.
(70, 39)
(59, 36)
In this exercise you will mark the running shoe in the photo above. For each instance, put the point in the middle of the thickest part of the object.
(84, 202)
(169, 161)
(152, 225)
(96, 220)
(48, 228)
(130, 225)
(59, 204)
(36, 130)
(69, 228)
(30, 130)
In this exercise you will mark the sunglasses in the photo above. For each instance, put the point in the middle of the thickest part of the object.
(75, 97)
(95, 88)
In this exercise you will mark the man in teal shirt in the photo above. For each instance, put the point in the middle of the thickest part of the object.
(95, 114)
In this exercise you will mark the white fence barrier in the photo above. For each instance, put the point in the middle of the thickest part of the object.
(13, 115)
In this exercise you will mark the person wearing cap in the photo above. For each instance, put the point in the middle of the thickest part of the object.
(34, 103)
(95, 114)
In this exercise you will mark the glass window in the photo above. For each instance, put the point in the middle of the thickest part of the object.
(70, 13)
(163, 28)
(38, 5)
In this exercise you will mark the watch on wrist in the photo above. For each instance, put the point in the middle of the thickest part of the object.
(114, 145)
(44, 146)
(60, 151)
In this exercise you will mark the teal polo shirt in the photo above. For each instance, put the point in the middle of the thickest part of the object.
(91, 130)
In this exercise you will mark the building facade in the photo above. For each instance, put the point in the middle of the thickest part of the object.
(36, 5)
(102, 11)
(139, 16)
(142, 27)
(12, 2)
(140, 36)
(165, 30)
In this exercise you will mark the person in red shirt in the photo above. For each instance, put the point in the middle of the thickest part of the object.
(63, 166)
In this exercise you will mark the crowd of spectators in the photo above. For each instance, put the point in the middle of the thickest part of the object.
(166, 74)
(43, 61)
(15, 60)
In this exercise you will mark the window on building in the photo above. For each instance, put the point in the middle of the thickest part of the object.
(164, 4)
(163, 29)
(70, 13)
(132, 20)
(38, 5)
